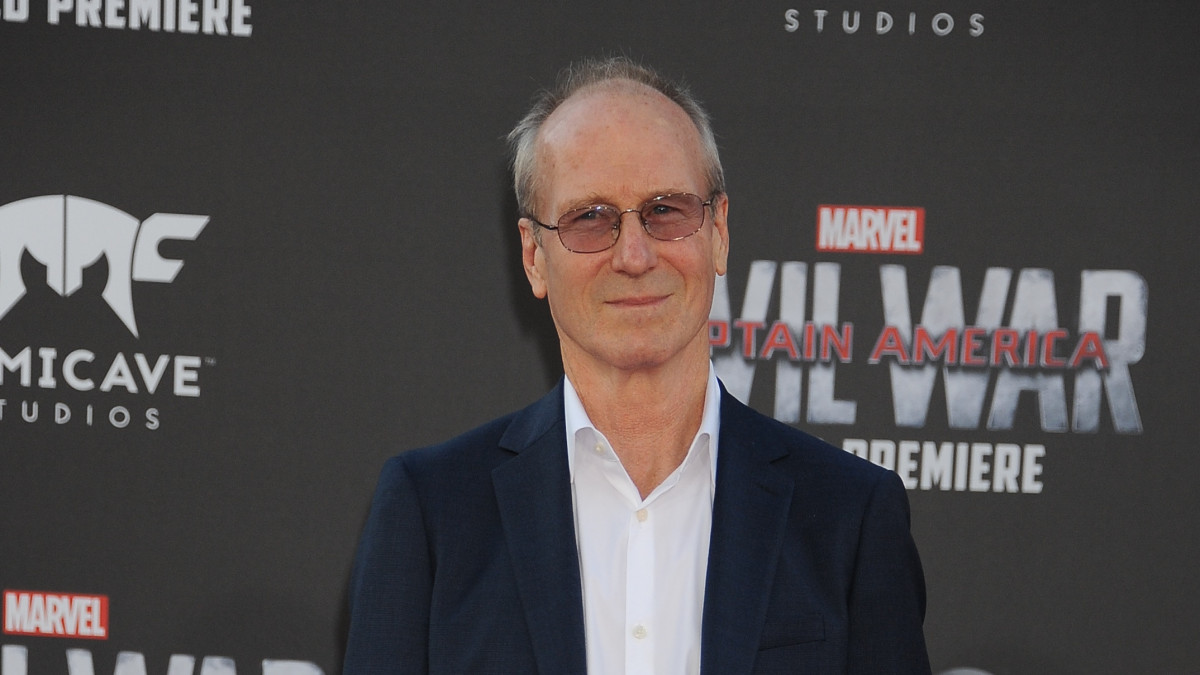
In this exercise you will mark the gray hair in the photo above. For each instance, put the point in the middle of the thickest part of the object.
(589, 73)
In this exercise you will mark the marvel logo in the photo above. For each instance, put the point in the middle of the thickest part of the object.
(870, 229)
(56, 614)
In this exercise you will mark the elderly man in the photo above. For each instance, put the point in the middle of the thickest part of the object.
(638, 519)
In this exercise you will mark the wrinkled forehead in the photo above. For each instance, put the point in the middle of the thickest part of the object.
(603, 114)
(615, 106)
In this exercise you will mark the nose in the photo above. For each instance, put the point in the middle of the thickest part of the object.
(634, 253)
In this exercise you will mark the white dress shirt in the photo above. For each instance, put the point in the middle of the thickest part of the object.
(642, 561)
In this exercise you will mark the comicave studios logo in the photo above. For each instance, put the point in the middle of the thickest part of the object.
(68, 234)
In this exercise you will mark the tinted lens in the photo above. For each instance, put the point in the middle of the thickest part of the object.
(673, 216)
(590, 229)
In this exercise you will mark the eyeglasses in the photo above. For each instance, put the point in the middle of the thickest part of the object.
(595, 228)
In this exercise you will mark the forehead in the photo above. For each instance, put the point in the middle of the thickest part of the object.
(618, 137)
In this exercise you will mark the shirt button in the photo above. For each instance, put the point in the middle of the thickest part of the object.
(599, 448)
(639, 632)
(642, 515)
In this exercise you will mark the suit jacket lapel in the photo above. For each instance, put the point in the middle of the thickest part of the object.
(534, 495)
(750, 510)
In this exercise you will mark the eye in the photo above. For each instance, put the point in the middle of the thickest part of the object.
(668, 209)
(597, 216)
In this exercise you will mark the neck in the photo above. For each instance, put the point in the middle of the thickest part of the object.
(650, 415)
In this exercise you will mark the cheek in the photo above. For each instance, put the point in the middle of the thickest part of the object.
(563, 285)
(701, 268)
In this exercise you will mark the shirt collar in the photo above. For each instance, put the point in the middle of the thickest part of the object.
(577, 421)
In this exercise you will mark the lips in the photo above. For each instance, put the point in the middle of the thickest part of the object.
(638, 300)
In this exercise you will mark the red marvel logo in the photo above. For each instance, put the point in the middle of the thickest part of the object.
(56, 614)
(870, 229)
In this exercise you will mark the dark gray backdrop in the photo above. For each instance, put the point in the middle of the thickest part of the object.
(357, 291)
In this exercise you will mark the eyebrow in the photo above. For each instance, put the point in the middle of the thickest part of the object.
(595, 199)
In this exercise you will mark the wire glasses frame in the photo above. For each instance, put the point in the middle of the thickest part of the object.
(596, 228)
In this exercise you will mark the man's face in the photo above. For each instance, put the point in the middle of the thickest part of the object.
(643, 303)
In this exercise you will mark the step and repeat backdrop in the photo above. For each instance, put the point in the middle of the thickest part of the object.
(250, 249)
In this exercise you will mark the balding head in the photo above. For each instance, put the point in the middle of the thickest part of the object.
(618, 74)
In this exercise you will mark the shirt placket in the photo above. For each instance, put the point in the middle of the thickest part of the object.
(640, 625)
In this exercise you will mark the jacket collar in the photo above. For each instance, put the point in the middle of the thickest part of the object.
(748, 522)
(533, 492)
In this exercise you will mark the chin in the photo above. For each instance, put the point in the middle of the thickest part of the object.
(640, 359)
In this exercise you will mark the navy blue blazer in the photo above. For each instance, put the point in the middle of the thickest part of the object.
(468, 562)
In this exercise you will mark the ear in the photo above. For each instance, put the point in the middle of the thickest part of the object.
(532, 257)
(721, 233)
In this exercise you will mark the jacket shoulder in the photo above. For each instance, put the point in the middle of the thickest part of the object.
(481, 448)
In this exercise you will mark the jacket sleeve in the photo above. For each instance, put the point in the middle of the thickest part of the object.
(391, 586)
(887, 598)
